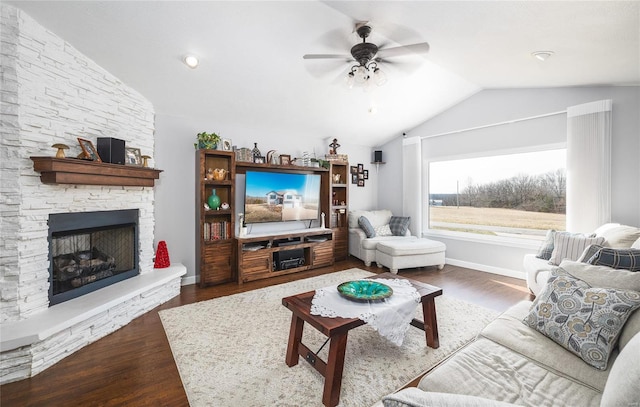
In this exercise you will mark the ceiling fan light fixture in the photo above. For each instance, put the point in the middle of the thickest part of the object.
(542, 55)
(379, 77)
(191, 61)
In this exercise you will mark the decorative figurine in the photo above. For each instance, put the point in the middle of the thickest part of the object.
(334, 146)
(61, 147)
(322, 223)
(145, 161)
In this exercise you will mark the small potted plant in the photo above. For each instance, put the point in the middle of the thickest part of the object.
(207, 140)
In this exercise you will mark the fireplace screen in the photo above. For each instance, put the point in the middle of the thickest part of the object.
(85, 259)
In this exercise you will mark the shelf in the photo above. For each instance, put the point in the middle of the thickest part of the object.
(243, 166)
(83, 172)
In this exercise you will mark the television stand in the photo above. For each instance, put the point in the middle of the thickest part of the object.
(269, 255)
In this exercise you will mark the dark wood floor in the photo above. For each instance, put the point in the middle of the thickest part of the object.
(134, 365)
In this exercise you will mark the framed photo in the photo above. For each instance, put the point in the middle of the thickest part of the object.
(285, 159)
(354, 178)
(259, 159)
(354, 169)
(360, 167)
(366, 174)
(226, 144)
(360, 175)
(89, 150)
(132, 156)
(360, 182)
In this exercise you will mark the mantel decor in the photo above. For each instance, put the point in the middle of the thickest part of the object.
(84, 172)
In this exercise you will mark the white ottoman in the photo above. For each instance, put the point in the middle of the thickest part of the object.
(402, 254)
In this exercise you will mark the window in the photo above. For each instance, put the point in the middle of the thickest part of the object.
(511, 195)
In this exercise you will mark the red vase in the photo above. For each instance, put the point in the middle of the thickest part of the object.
(162, 256)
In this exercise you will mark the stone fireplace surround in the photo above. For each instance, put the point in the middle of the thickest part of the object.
(53, 94)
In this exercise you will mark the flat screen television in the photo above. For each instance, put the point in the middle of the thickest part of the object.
(276, 196)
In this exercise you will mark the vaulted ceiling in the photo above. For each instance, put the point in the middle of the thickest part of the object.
(252, 67)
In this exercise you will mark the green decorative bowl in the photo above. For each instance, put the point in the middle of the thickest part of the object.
(364, 290)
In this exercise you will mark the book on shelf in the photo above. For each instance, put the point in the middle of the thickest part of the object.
(217, 230)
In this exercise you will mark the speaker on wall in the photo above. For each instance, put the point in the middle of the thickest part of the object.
(377, 156)
(111, 150)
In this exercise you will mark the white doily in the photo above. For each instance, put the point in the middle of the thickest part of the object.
(390, 317)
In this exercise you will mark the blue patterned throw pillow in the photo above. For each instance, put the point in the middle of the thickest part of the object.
(399, 225)
(547, 246)
(583, 319)
(365, 225)
(628, 259)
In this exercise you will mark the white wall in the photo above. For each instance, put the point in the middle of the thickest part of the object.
(494, 106)
(176, 189)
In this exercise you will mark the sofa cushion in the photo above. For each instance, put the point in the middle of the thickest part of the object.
(589, 252)
(372, 243)
(376, 217)
(486, 369)
(509, 331)
(618, 236)
(383, 230)
(366, 227)
(414, 397)
(602, 276)
(410, 247)
(399, 225)
(545, 250)
(622, 387)
(571, 245)
(628, 259)
(585, 320)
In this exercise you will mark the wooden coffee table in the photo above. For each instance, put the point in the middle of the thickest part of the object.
(337, 329)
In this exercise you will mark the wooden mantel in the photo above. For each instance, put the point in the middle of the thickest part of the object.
(83, 172)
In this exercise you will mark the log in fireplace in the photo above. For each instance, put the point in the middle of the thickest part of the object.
(91, 250)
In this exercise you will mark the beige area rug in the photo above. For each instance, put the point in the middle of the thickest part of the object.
(230, 351)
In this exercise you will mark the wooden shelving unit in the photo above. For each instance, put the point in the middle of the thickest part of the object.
(215, 251)
(339, 199)
(269, 255)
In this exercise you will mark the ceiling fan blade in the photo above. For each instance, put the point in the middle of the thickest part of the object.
(327, 56)
(419, 48)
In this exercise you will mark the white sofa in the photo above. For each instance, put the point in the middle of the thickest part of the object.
(615, 236)
(510, 363)
(360, 245)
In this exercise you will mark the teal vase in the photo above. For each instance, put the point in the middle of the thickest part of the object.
(214, 200)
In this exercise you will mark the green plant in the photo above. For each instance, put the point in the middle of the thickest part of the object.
(207, 140)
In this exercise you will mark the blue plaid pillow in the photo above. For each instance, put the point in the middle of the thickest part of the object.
(399, 225)
(547, 246)
(365, 225)
(628, 259)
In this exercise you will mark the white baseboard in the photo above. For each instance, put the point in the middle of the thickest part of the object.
(188, 280)
(489, 269)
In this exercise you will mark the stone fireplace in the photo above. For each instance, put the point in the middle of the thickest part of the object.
(53, 94)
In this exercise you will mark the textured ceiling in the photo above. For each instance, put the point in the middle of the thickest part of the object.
(252, 67)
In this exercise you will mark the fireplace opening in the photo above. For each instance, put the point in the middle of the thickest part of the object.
(91, 250)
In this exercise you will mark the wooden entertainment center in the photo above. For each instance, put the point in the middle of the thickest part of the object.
(222, 256)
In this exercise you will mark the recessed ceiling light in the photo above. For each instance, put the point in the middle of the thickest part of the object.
(542, 55)
(191, 61)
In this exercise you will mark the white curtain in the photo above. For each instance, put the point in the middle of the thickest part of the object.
(412, 183)
(588, 166)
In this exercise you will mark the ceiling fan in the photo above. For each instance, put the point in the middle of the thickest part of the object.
(368, 55)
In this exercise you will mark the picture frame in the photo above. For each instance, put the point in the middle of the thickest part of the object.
(226, 144)
(354, 169)
(89, 150)
(285, 159)
(360, 175)
(360, 168)
(354, 178)
(365, 173)
(360, 182)
(132, 156)
(259, 159)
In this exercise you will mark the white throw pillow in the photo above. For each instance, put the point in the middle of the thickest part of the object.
(570, 246)
(618, 236)
(384, 230)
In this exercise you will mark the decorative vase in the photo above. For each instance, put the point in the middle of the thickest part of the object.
(214, 200)
(256, 151)
(162, 256)
(207, 145)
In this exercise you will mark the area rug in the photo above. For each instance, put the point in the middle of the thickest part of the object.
(230, 351)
